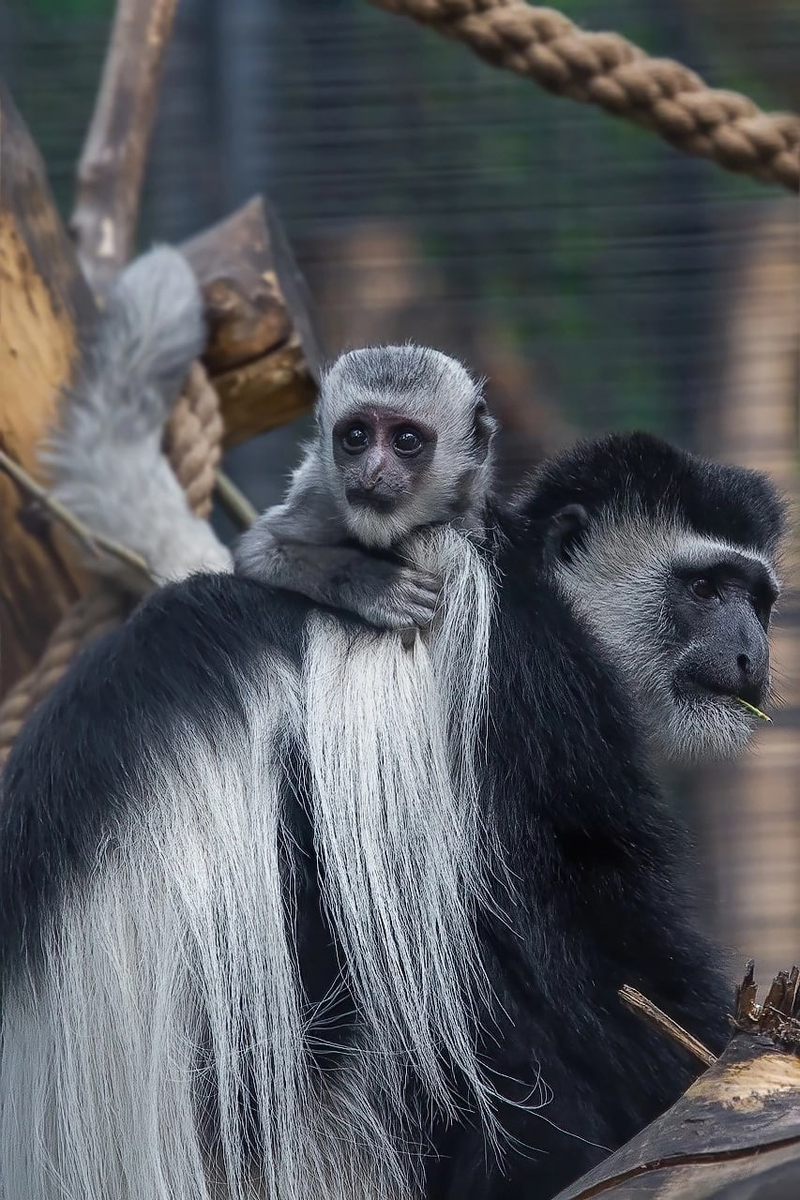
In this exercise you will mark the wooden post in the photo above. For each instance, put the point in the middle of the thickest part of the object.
(751, 808)
(111, 168)
(45, 309)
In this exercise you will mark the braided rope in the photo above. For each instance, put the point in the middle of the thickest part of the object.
(607, 70)
(193, 445)
(90, 617)
(193, 439)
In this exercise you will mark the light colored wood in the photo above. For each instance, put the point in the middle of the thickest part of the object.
(111, 169)
(650, 1012)
(45, 310)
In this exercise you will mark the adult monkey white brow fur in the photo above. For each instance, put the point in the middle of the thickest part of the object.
(403, 442)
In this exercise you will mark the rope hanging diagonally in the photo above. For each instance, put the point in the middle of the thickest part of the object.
(607, 70)
(193, 445)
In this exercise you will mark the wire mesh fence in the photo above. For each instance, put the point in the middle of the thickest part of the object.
(596, 277)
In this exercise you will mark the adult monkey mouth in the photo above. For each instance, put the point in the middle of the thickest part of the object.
(749, 698)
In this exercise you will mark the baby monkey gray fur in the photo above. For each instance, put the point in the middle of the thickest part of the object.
(403, 441)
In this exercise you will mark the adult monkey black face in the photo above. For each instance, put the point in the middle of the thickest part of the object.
(680, 597)
(255, 942)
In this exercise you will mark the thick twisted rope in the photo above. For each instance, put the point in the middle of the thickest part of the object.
(100, 610)
(193, 440)
(193, 444)
(608, 70)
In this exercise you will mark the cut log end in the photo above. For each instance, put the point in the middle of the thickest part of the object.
(263, 352)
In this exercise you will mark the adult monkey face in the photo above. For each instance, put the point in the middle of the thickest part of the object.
(720, 606)
(674, 583)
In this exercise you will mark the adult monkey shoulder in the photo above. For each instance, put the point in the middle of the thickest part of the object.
(95, 754)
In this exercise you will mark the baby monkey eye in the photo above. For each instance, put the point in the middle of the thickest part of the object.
(407, 442)
(355, 439)
(703, 589)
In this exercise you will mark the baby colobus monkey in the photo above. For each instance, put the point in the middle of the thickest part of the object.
(404, 441)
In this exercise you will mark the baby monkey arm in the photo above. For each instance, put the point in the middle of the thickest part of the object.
(297, 546)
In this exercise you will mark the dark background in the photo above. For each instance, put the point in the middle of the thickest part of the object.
(597, 277)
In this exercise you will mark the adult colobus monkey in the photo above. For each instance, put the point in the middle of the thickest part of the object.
(290, 912)
(403, 441)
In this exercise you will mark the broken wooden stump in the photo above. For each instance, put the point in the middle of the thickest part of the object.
(263, 354)
(735, 1134)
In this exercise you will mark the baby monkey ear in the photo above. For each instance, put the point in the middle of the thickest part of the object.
(563, 529)
(485, 427)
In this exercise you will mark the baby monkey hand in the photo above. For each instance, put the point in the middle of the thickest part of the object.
(395, 597)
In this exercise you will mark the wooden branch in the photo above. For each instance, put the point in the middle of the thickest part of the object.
(245, 307)
(92, 541)
(112, 164)
(263, 352)
(736, 1131)
(651, 1012)
(264, 394)
(235, 501)
(46, 309)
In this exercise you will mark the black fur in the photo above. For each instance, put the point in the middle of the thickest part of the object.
(599, 898)
(714, 499)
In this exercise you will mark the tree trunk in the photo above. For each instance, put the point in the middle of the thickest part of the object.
(45, 309)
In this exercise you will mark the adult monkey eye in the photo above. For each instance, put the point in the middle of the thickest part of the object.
(407, 442)
(703, 589)
(355, 439)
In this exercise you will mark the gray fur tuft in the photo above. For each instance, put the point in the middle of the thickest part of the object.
(105, 460)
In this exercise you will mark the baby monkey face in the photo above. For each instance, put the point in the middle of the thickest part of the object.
(382, 456)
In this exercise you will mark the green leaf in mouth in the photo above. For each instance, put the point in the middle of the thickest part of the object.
(755, 711)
